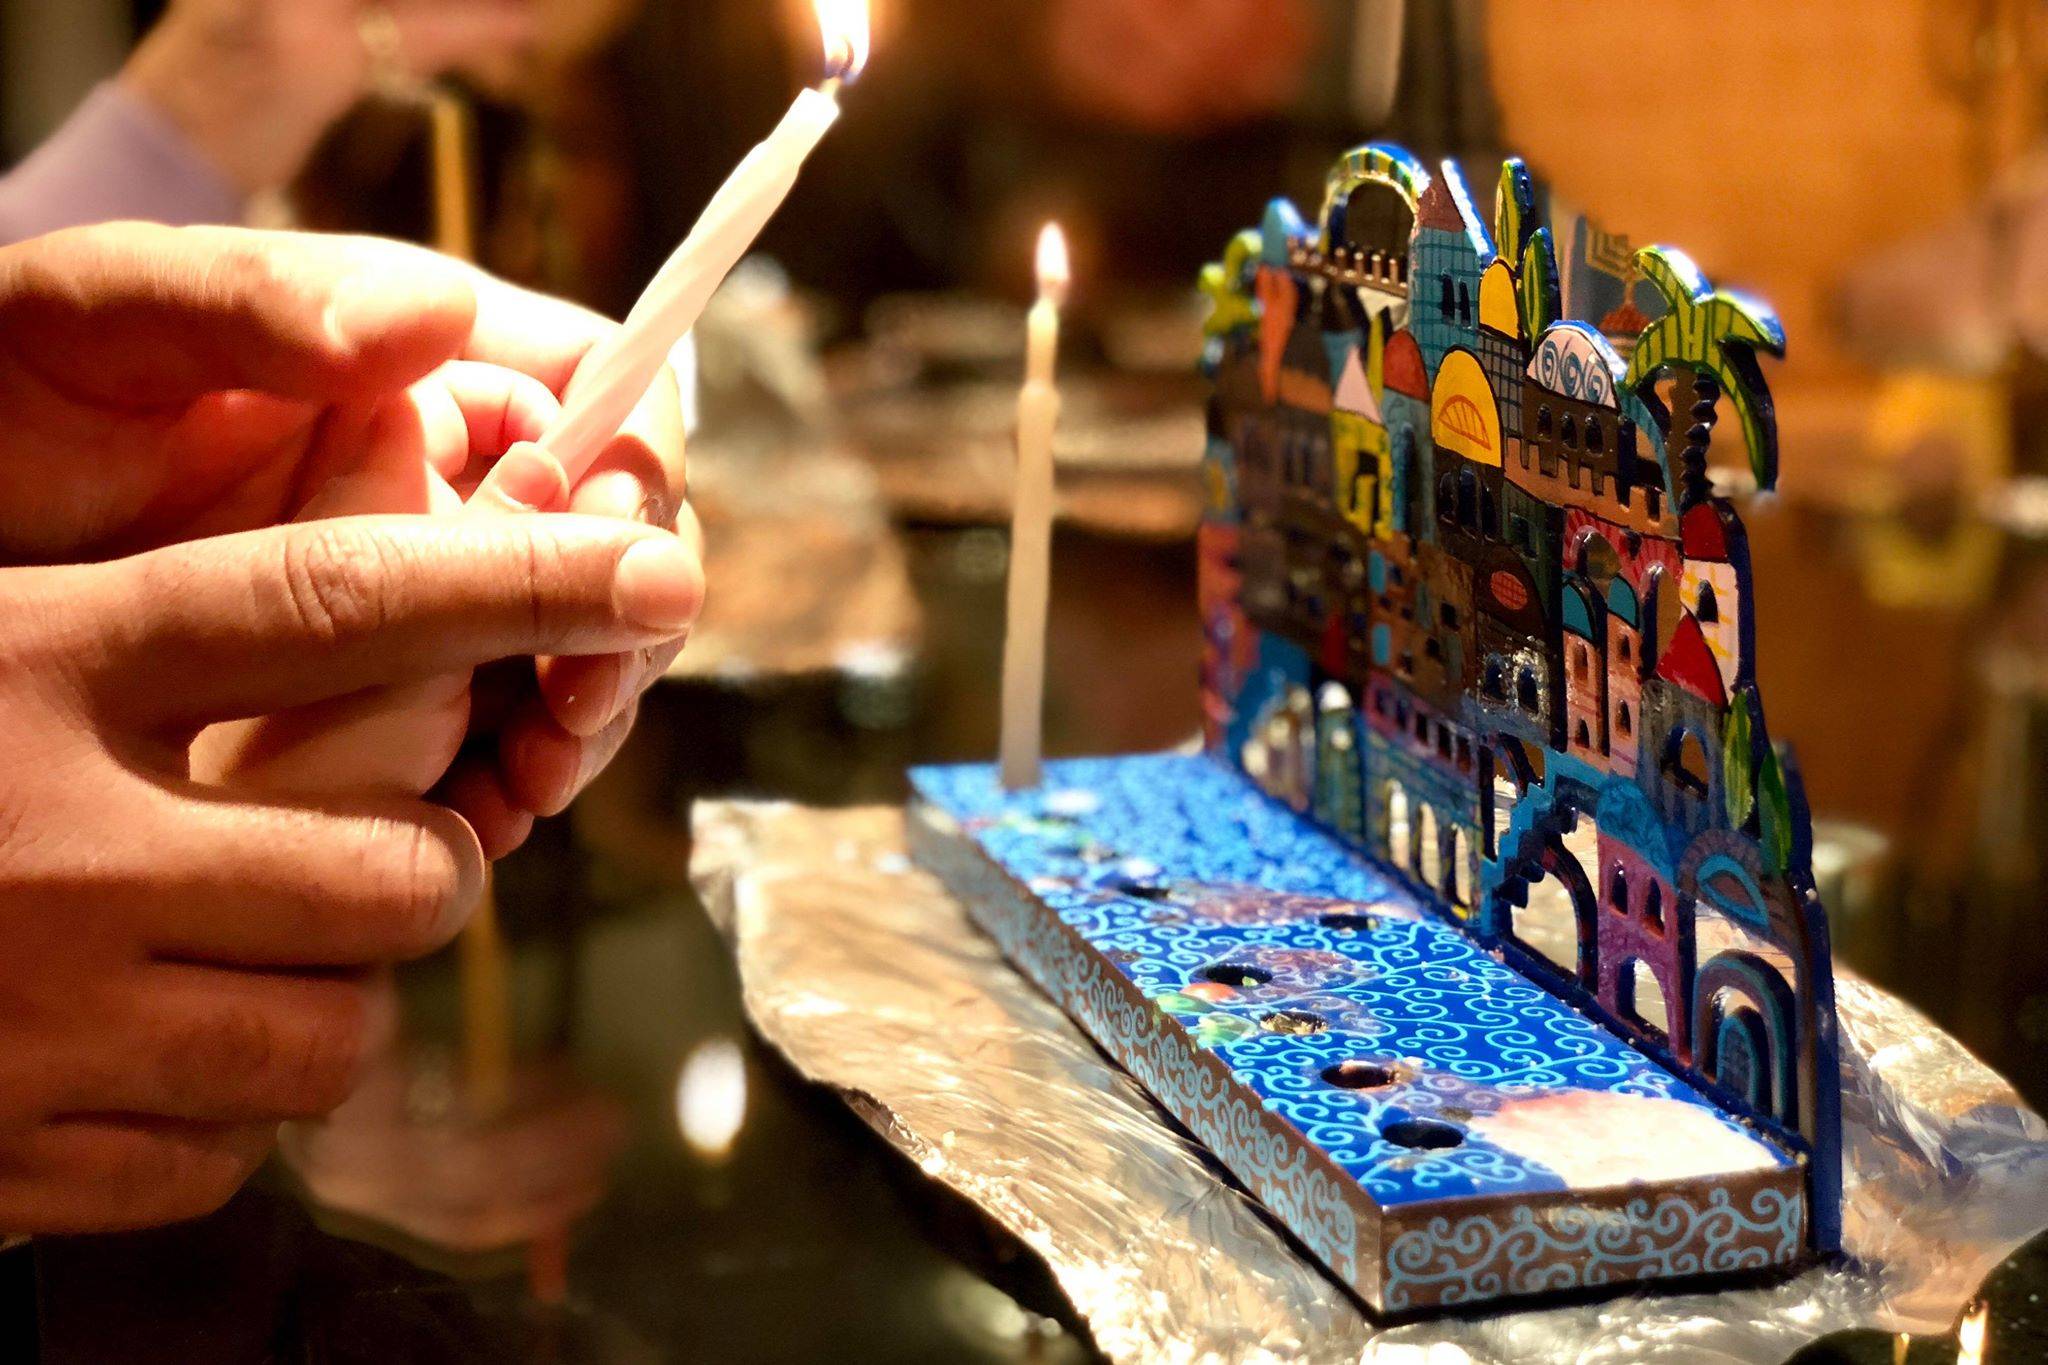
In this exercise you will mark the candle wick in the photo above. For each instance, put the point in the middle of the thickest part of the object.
(839, 67)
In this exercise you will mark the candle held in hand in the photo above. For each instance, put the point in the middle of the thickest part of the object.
(612, 379)
(1038, 411)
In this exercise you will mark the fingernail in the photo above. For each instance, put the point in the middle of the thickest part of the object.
(590, 708)
(657, 584)
(529, 477)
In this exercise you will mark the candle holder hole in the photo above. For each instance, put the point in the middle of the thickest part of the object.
(1359, 1075)
(1235, 974)
(1423, 1135)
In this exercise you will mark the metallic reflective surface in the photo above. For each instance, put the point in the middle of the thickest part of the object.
(868, 977)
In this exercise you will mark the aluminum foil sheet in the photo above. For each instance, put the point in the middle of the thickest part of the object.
(869, 977)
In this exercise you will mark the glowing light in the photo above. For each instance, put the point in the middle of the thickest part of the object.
(1970, 1335)
(1054, 270)
(843, 24)
(711, 1097)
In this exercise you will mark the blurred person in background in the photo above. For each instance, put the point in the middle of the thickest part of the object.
(974, 123)
(225, 100)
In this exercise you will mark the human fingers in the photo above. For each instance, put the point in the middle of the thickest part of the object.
(500, 409)
(224, 1045)
(544, 767)
(454, 424)
(525, 479)
(103, 1172)
(138, 315)
(642, 473)
(535, 334)
(474, 790)
(394, 741)
(584, 692)
(263, 620)
(341, 882)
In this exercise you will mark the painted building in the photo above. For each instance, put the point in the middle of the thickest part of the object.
(1462, 609)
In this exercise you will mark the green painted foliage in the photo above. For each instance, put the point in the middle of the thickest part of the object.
(1718, 333)
(1537, 282)
(1775, 815)
(1514, 209)
(1738, 763)
(1227, 285)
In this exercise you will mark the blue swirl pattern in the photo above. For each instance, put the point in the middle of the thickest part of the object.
(1518, 1251)
(1231, 955)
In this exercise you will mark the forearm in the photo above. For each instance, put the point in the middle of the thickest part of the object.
(116, 157)
(232, 96)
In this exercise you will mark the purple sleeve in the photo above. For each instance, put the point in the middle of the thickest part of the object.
(116, 157)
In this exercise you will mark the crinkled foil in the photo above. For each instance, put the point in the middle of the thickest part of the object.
(870, 978)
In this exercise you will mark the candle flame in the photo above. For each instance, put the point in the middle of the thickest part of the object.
(1970, 1335)
(1054, 272)
(843, 24)
(711, 1098)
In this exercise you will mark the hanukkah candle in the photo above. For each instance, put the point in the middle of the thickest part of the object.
(612, 379)
(1038, 412)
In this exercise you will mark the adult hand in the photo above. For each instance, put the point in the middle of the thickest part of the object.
(182, 966)
(170, 383)
(255, 83)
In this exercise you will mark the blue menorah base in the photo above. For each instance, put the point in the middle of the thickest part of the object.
(1436, 1128)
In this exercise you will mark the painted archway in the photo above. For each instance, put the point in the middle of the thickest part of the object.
(1540, 857)
(1743, 1032)
(1376, 168)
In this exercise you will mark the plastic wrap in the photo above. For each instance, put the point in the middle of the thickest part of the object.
(869, 977)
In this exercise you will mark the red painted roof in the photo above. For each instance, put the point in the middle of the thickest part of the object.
(1701, 534)
(1404, 372)
(1690, 664)
(1437, 209)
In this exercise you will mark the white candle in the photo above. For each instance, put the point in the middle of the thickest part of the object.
(1038, 412)
(612, 379)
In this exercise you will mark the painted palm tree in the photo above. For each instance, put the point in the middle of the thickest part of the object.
(1708, 343)
(1227, 284)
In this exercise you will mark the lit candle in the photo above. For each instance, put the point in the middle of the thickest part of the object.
(613, 377)
(1038, 412)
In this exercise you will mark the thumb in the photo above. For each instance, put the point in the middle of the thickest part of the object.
(140, 315)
